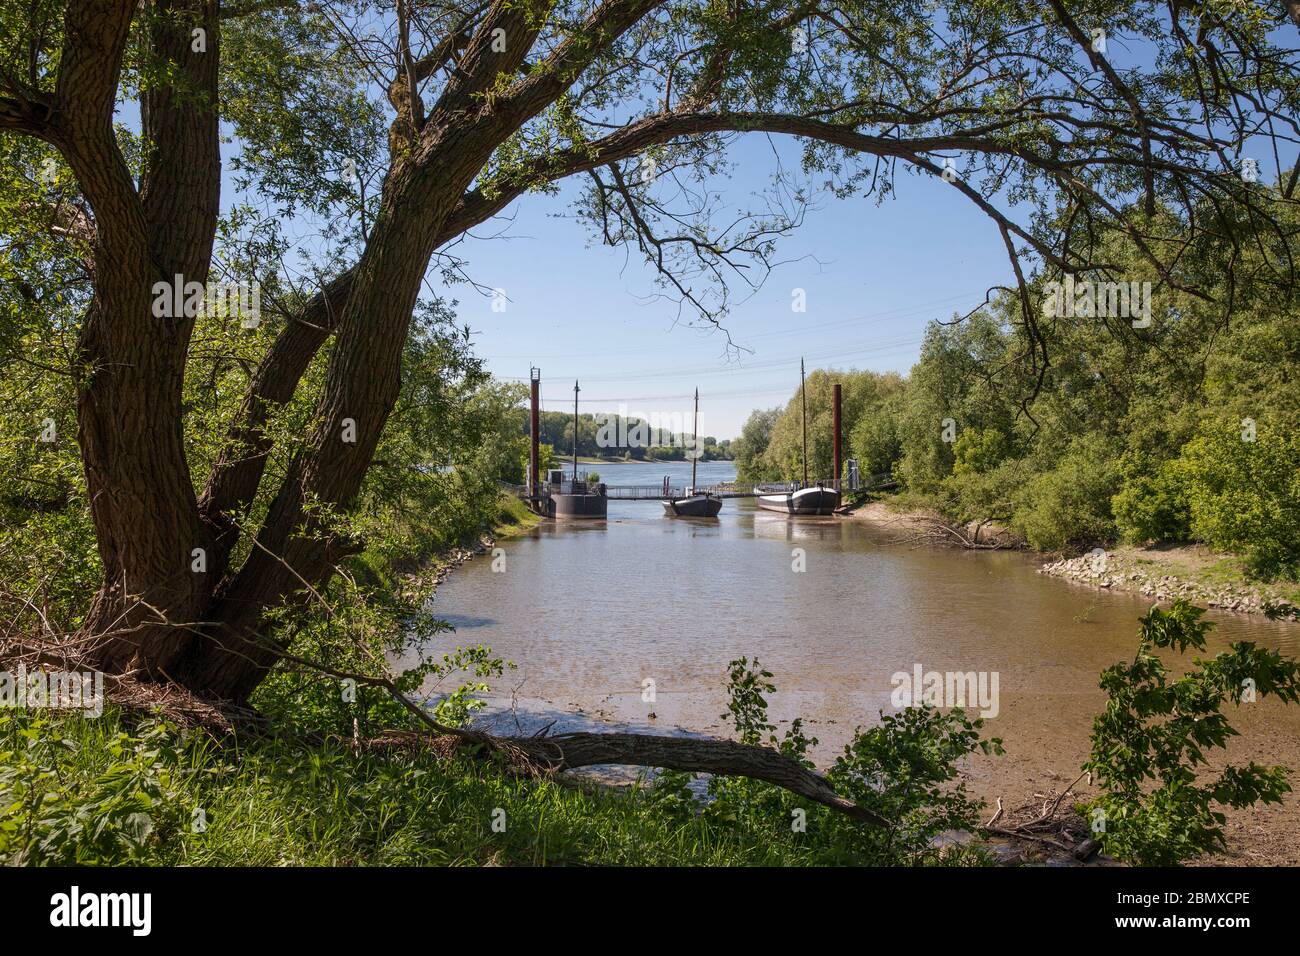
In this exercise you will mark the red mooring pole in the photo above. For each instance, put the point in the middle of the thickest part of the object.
(836, 421)
(534, 481)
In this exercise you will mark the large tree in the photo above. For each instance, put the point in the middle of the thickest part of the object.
(1062, 122)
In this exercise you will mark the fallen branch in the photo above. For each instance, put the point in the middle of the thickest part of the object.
(559, 752)
(941, 531)
(539, 754)
(691, 754)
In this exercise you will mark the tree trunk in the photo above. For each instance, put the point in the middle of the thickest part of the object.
(157, 573)
(294, 552)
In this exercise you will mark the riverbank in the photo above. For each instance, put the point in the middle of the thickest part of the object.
(1164, 572)
(927, 524)
(1192, 572)
(512, 519)
(279, 801)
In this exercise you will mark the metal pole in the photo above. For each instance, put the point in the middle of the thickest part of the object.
(836, 424)
(534, 480)
(804, 394)
(575, 429)
(695, 440)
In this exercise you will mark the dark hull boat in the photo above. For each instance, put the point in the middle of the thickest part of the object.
(805, 501)
(693, 506)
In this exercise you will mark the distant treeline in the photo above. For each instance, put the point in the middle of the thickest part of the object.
(1186, 430)
(602, 435)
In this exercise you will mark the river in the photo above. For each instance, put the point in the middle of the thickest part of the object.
(589, 611)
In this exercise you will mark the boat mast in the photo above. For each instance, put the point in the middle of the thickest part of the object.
(804, 395)
(695, 439)
(575, 429)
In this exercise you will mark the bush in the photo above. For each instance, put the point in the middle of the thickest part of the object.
(1070, 505)
(1157, 730)
(903, 770)
(980, 496)
(1153, 507)
(1244, 496)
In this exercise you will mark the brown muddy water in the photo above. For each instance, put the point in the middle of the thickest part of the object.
(590, 611)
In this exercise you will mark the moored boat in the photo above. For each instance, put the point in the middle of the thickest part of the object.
(819, 499)
(577, 498)
(693, 506)
(806, 501)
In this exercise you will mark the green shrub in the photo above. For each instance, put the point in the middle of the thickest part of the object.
(1070, 505)
(1153, 507)
(980, 450)
(982, 495)
(1152, 738)
(903, 770)
(118, 809)
(1244, 496)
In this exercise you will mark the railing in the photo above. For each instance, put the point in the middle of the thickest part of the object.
(644, 492)
(724, 489)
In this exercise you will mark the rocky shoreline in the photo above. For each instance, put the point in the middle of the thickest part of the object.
(1110, 571)
(424, 581)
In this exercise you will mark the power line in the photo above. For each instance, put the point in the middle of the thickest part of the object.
(866, 319)
(764, 366)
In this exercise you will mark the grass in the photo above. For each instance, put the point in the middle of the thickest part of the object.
(1196, 564)
(82, 791)
(513, 518)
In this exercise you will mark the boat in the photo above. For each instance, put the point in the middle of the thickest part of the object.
(694, 504)
(817, 500)
(803, 500)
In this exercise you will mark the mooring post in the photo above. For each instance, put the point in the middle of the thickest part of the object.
(835, 419)
(534, 482)
(575, 433)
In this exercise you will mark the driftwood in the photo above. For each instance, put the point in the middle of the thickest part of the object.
(1046, 828)
(938, 530)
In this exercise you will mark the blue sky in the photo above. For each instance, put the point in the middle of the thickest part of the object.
(874, 275)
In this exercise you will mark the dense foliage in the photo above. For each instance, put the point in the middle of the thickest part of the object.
(1186, 430)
